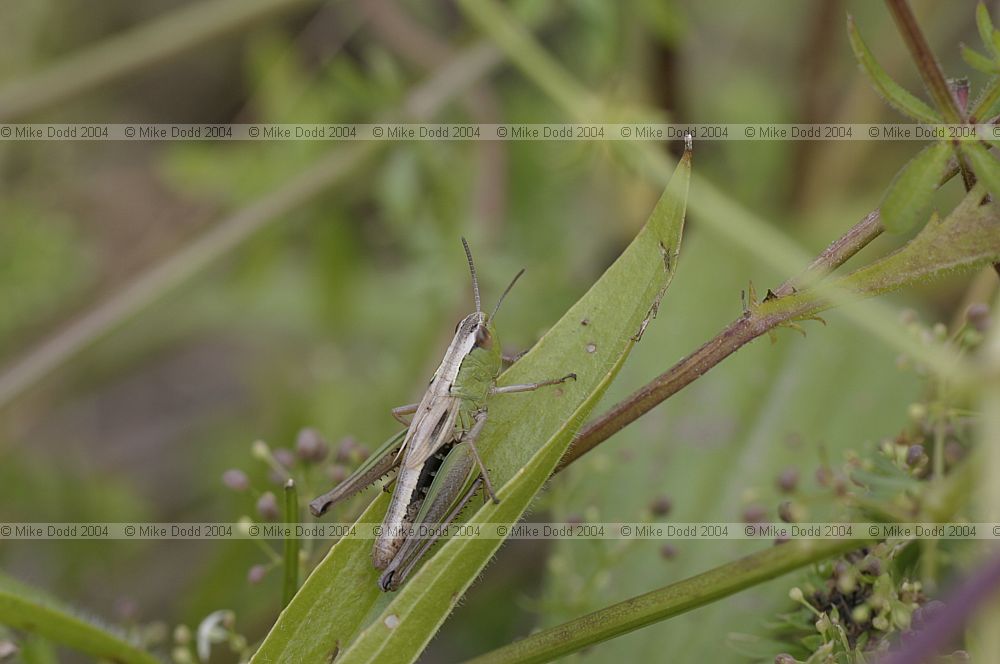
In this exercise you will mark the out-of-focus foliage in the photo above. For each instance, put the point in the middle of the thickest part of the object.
(339, 310)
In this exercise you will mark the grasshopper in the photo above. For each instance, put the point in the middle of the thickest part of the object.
(436, 453)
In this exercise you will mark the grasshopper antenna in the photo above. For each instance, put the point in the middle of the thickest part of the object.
(507, 290)
(472, 269)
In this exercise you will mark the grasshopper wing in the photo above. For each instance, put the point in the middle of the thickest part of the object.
(452, 488)
(383, 461)
(433, 426)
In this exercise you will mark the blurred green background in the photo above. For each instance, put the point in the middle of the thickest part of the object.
(339, 307)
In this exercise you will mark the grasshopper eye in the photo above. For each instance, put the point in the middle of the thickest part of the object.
(483, 337)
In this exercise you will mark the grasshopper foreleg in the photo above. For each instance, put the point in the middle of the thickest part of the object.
(530, 387)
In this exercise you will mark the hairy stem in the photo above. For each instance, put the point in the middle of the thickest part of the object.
(924, 58)
(838, 253)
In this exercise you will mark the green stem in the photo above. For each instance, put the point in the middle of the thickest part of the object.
(158, 40)
(667, 602)
(521, 47)
(291, 562)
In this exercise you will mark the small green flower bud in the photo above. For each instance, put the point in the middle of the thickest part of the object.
(260, 450)
(182, 634)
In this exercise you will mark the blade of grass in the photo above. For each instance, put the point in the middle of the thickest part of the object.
(616, 309)
(523, 440)
(25, 608)
(135, 49)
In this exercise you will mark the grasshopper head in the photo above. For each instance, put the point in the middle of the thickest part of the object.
(479, 327)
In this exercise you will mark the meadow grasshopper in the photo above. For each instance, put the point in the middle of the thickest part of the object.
(435, 456)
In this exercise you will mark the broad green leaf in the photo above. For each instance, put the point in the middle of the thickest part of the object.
(524, 439)
(986, 31)
(896, 96)
(985, 166)
(25, 608)
(978, 61)
(906, 200)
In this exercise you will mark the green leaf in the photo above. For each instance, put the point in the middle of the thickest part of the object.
(985, 166)
(978, 61)
(25, 608)
(967, 239)
(524, 439)
(986, 31)
(892, 92)
(906, 200)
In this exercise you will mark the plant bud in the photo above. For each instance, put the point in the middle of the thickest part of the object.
(310, 446)
(661, 506)
(236, 480)
(267, 506)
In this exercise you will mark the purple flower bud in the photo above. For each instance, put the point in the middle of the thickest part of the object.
(236, 480)
(914, 454)
(345, 450)
(978, 316)
(310, 446)
(256, 574)
(754, 514)
(668, 552)
(284, 456)
(872, 565)
(788, 480)
(661, 506)
(267, 506)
